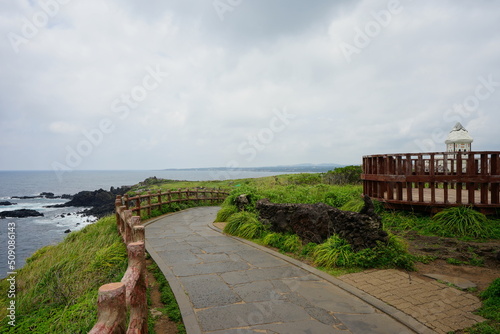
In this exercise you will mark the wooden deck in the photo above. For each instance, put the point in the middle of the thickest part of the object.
(432, 181)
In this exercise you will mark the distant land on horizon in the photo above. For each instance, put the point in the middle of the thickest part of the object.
(314, 168)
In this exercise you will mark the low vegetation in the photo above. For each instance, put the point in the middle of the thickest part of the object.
(57, 288)
(167, 298)
(490, 310)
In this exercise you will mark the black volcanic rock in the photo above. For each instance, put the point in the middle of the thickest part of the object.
(101, 201)
(21, 213)
(317, 222)
(6, 203)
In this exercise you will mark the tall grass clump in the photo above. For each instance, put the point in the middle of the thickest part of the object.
(244, 224)
(225, 212)
(334, 252)
(57, 288)
(461, 221)
(290, 243)
(337, 252)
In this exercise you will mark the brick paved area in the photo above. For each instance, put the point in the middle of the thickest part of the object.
(434, 304)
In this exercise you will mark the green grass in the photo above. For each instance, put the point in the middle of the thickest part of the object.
(244, 224)
(461, 221)
(167, 297)
(490, 310)
(57, 288)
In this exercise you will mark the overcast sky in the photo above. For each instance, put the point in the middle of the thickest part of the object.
(124, 84)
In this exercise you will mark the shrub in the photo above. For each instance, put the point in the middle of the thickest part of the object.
(461, 221)
(344, 175)
(393, 254)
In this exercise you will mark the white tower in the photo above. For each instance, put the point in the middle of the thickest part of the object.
(458, 139)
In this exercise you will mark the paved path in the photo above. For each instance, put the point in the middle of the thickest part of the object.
(228, 285)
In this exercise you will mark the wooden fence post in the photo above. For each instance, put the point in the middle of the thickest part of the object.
(119, 222)
(139, 233)
(112, 310)
(135, 283)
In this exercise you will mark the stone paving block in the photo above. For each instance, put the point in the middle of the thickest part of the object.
(227, 249)
(207, 258)
(301, 327)
(280, 286)
(322, 315)
(257, 291)
(242, 315)
(241, 331)
(371, 323)
(208, 291)
(262, 274)
(173, 246)
(329, 297)
(208, 268)
(173, 257)
(260, 260)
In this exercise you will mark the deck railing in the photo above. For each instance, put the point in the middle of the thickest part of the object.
(115, 299)
(431, 181)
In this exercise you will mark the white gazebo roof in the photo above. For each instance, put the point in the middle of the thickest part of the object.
(458, 135)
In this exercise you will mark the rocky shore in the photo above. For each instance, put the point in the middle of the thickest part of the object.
(100, 203)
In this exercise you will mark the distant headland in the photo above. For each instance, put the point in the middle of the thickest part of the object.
(299, 168)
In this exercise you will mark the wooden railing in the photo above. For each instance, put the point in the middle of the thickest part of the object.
(115, 299)
(150, 201)
(431, 181)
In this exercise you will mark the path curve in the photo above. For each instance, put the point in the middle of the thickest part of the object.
(227, 285)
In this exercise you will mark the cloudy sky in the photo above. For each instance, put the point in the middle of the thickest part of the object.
(128, 84)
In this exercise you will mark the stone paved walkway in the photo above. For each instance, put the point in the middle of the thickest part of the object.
(436, 305)
(227, 285)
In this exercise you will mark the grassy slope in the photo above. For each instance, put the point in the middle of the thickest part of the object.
(57, 288)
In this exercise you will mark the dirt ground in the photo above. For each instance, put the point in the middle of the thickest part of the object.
(476, 262)
(163, 323)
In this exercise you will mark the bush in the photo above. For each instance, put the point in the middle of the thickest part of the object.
(461, 221)
(344, 175)
(393, 254)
